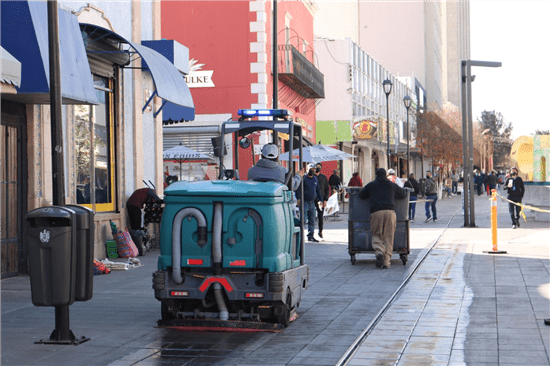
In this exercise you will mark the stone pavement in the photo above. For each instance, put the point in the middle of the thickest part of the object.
(466, 307)
(461, 307)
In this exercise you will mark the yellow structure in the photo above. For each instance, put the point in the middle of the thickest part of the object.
(522, 156)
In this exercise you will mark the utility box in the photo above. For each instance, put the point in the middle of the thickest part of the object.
(51, 236)
(84, 257)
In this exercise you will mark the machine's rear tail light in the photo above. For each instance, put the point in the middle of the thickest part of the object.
(254, 295)
(194, 262)
(179, 293)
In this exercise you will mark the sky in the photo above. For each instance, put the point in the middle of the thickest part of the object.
(516, 33)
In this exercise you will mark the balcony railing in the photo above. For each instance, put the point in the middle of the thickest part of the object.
(299, 74)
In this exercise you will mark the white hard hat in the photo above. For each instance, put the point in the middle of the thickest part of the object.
(270, 151)
(391, 172)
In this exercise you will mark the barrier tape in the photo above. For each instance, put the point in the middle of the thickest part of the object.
(523, 207)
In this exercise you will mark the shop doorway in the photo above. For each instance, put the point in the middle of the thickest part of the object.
(13, 173)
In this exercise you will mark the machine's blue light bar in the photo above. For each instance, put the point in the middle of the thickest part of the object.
(248, 113)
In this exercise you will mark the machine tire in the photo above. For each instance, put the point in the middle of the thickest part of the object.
(353, 259)
(284, 318)
(404, 258)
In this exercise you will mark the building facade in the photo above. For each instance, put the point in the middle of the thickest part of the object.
(113, 90)
(354, 112)
(239, 64)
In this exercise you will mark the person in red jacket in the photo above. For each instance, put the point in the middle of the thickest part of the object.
(355, 181)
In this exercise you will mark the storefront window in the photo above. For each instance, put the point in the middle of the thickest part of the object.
(94, 150)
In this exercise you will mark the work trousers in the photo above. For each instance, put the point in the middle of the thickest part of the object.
(431, 200)
(382, 224)
(514, 209)
(309, 208)
(320, 212)
(412, 207)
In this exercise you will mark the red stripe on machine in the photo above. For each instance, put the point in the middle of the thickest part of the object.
(194, 262)
(239, 263)
(210, 280)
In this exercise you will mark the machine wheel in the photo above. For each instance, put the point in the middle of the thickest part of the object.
(284, 318)
(404, 258)
(353, 259)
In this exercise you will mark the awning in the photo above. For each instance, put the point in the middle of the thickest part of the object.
(10, 69)
(25, 36)
(169, 82)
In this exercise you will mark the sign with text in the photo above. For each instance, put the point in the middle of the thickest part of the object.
(197, 77)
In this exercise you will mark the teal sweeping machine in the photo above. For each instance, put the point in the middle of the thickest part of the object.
(231, 251)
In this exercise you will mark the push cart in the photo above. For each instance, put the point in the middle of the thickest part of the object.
(360, 234)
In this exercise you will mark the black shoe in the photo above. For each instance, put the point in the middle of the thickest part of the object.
(312, 239)
(379, 260)
(517, 222)
(321, 234)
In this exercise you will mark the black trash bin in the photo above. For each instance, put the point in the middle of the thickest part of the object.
(84, 252)
(51, 234)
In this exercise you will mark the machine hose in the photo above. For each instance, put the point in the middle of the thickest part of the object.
(176, 238)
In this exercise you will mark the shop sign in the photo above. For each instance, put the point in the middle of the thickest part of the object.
(197, 77)
(365, 129)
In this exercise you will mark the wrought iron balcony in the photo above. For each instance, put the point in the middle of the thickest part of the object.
(299, 74)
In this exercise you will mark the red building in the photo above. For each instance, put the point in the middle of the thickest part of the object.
(230, 48)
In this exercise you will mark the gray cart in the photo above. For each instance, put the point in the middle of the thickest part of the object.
(359, 232)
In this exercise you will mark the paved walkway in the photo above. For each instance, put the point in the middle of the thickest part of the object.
(467, 307)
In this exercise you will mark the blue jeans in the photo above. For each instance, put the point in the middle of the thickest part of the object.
(433, 198)
(455, 187)
(412, 207)
(309, 208)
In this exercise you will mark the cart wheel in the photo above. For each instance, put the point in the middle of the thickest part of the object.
(353, 259)
(404, 258)
(284, 317)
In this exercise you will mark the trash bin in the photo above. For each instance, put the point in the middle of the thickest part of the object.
(359, 231)
(51, 234)
(84, 252)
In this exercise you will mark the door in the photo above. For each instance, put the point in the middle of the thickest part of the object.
(12, 168)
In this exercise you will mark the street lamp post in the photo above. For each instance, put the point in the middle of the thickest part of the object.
(407, 100)
(467, 136)
(387, 84)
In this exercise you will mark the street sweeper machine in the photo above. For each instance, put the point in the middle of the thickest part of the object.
(232, 251)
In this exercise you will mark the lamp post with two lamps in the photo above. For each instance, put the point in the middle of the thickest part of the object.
(387, 84)
(407, 100)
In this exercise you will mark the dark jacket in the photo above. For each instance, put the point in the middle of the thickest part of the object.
(517, 190)
(430, 187)
(266, 170)
(323, 186)
(382, 194)
(334, 181)
(492, 179)
(412, 183)
(311, 189)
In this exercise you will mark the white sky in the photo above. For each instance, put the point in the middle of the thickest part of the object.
(516, 33)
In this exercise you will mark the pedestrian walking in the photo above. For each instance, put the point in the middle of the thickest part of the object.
(334, 181)
(478, 182)
(321, 204)
(455, 177)
(492, 181)
(447, 182)
(430, 190)
(381, 194)
(311, 193)
(516, 190)
(413, 196)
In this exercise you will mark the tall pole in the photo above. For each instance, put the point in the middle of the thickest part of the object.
(388, 126)
(470, 143)
(408, 152)
(465, 165)
(275, 70)
(58, 177)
